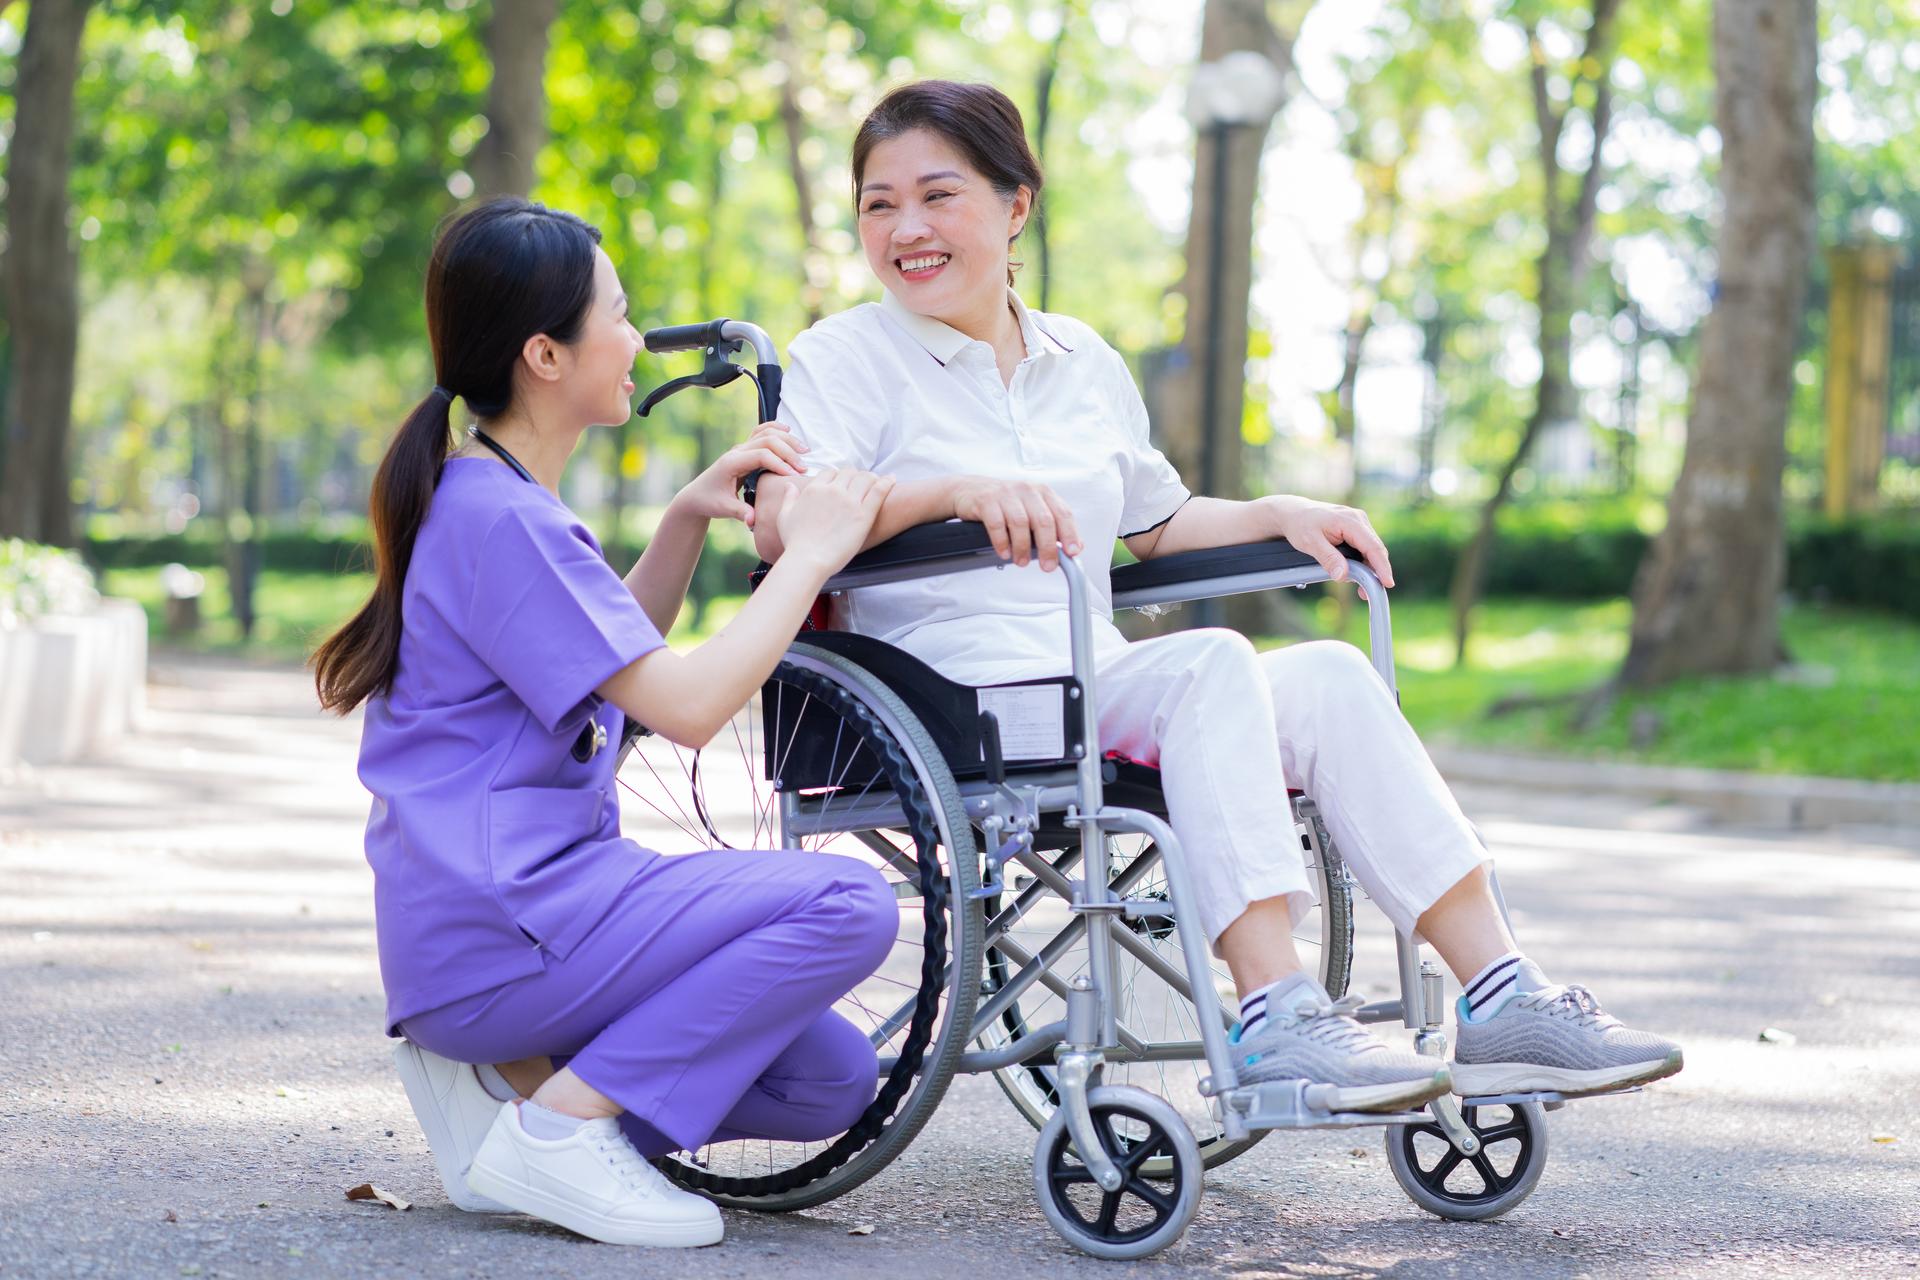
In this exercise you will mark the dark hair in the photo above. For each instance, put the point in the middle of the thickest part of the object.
(976, 118)
(500, 273)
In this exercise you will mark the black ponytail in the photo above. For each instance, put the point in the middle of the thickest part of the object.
(500, 273)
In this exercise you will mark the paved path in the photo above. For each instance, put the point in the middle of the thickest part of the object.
(192, 1070)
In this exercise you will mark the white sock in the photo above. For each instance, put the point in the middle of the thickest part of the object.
(548, 1126)
(1487, 992)
(1279, 996)
(494, 1083)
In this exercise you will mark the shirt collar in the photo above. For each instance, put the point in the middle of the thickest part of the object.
(943, 342)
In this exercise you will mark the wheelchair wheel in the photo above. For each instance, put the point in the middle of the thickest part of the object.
(1165, 1057)
(1142, 1217)
(871, 785)
(1512, 1156)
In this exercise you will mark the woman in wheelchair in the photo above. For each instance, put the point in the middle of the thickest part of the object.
(1029, 423)
(614, 999)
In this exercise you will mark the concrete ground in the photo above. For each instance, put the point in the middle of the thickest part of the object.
(192, 1070)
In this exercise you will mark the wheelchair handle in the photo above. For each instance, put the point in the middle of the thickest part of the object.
(719, 339)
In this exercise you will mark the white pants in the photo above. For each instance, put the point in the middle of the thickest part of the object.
(1231, 729)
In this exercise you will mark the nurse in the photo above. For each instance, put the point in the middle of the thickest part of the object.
(1030, 423)
(619, 1004)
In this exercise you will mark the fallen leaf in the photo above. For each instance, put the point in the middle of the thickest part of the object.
(1774, 1035)
(169, 1216)
(864, 1229)
(1563, 1233)
(1358, 1153)
(284, 1092)
(367, 1191)
(1884, 1138)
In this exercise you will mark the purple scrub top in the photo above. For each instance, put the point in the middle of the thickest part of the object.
(491, 846)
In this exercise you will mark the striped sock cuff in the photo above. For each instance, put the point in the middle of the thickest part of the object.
(1492, 981)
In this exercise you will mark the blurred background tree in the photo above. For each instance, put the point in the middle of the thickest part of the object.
(1463, 260)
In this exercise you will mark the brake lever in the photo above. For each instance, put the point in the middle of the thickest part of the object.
(718, 373)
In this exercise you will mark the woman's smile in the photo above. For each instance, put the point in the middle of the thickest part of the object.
(922, 266)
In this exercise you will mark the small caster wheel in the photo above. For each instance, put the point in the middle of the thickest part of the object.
(1143, 1216)
(1512, 1155)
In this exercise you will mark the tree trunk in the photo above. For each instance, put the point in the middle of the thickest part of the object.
(517, 97)
(1042, 120)
(41, 280)
(1562, 273)
(793, 124)
(1706, 599)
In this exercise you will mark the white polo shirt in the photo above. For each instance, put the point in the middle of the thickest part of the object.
(880, 388)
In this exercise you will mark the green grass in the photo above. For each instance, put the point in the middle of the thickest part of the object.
(1849, 707)
(293, 612)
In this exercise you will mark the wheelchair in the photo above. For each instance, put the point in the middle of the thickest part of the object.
(1039, 882)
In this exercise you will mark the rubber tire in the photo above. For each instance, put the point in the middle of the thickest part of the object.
(1189, 1176)
(966, 931)
(1399, 1139)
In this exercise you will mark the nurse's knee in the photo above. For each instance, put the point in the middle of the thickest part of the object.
(847, 1089)
(872, 912)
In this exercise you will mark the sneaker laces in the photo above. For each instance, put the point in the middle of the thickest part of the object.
(1572, 1002)
(621, 1159)
(1334, 1025)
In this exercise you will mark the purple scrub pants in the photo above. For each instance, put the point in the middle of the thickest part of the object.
(702, 1002)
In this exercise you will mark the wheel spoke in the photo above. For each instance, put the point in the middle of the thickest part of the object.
(1513, 1129)
(1109, 1211)
(1144, 1150)
(1437, 1179)
(1069, 1175)
(1162, 1203)
(1488, 1174)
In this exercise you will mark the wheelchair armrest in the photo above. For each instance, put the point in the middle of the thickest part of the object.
(1217, 571)
(920, 552)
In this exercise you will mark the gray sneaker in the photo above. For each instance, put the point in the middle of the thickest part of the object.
(1317, 1040)
(1556, 1038)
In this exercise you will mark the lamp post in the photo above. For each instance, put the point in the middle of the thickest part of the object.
(1242, 88)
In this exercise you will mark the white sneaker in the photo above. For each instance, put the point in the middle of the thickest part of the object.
(455, 1111)
(592, 1182)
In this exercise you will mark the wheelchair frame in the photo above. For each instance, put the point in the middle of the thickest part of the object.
(1090, 1033)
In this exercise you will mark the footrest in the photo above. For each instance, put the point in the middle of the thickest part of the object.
(1547, 1097)
(1297, 1104)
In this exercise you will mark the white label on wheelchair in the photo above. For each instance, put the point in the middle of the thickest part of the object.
(1033, 720)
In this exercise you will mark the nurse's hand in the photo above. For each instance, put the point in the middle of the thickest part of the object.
(1022, 519)
(826, 519)
(714, 494)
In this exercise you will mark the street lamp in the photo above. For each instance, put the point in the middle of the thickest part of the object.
(1242, 88)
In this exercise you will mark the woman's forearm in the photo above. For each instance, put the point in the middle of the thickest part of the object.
(689, 697)
(659, 578)
(912, 502)
(1216, 522)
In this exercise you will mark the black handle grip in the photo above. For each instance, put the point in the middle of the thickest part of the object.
(682, 337)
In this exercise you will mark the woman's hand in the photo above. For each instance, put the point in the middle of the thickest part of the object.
(714, 493)
(1318, 528)
(826, 519)
(1022, 519)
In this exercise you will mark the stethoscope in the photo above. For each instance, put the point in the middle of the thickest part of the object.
(593, 735)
